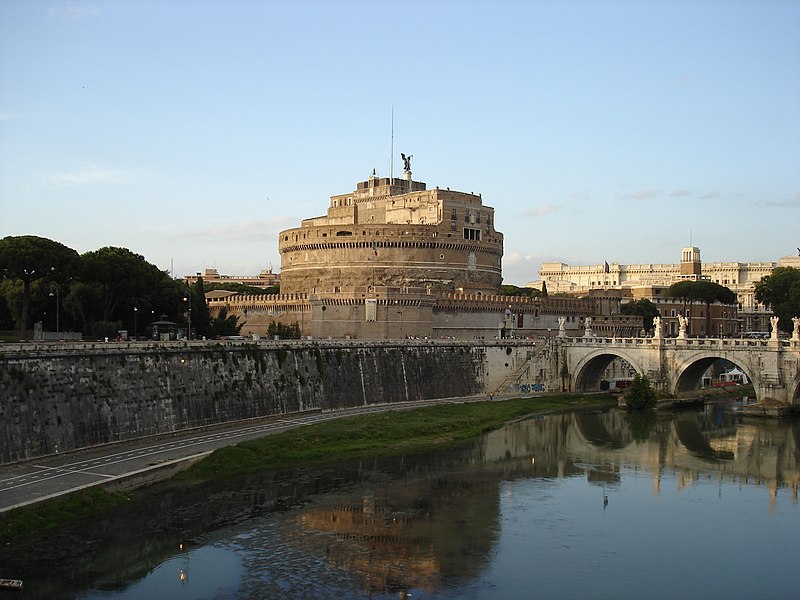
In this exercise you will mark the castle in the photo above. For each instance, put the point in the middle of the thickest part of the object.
(395, 232)
(393, 259)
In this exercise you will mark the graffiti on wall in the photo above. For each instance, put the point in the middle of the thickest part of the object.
(528, 388)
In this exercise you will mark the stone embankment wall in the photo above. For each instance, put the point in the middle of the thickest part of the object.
(61, 398)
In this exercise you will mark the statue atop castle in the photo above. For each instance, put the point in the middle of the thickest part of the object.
(406, 162)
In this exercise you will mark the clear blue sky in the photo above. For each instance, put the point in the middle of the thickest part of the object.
(192, 132)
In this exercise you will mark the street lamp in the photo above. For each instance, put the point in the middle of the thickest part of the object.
(135, 322)
(55, 284)
(189, 307)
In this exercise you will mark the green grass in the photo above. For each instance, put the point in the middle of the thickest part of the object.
(23, 521)
(380, 434)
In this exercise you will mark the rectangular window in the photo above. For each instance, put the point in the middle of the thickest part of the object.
(472, 234)
(453, 215)
(371, 305)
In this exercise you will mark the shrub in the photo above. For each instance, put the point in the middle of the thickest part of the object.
(640, 395)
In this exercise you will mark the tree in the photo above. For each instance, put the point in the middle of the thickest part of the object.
(683, 290)
(642, 307)
(224, 324)
(286, 332)
(115, 282)
(706, 292)
(29, 258)
(514, 290)
(544, 289)
(201, 318)
(639, 394)
(781, 292)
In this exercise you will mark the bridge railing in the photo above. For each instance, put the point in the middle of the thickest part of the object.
(726, 343)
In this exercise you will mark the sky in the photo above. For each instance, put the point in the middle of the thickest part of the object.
(193, 132)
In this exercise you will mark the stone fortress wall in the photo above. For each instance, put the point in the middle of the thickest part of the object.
(395, 234)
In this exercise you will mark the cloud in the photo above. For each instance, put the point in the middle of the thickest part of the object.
(520, 269)
(710, 196)
(72, 12)
(678, 193)
(585, 195)
(87, 174)
(540, 211)
(792, 203)
(251, 230)
(640, 195)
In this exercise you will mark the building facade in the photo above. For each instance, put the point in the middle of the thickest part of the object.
(739, 277)
(263, 280)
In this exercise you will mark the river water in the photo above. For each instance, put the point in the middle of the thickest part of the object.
(700, 503)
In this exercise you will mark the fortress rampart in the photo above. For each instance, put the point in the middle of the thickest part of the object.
(394, 233)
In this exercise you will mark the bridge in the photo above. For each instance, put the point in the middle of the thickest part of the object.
(676, 365)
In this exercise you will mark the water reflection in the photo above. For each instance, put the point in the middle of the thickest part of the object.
(474, 521)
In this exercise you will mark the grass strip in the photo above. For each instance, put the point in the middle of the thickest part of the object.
(24, 521)
(380, 434)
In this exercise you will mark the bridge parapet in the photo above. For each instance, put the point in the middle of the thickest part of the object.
(676, 365)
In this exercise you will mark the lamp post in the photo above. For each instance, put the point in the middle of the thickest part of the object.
(55, 284)
(188, 300)
(135, 322)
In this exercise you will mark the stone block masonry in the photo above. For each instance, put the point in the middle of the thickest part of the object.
(60, 399)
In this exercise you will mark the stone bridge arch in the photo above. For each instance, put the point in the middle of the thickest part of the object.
(688, 374)
(676, 366)
(588, 371)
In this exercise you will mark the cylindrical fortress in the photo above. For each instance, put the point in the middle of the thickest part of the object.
(394, 233)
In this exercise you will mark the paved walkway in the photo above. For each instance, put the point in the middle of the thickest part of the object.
(41, 479)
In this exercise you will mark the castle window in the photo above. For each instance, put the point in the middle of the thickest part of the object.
(453, 214)
(472, 234)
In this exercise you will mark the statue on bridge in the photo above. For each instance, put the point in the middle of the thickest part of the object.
(682, 323)
(657, 328)
(562, 321)
(796, 332)
(587, 322)
(774, 322)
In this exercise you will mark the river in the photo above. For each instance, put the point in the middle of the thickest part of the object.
(689, 504)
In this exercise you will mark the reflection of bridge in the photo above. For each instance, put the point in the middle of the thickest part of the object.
(677, 365)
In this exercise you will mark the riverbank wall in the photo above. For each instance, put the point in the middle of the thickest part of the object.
(59, 398)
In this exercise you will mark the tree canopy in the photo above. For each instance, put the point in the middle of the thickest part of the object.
(781, 292)
(29, 258)
(706, 292)
(514, 290)
(123, 280)
(225, 324)
(642, 307)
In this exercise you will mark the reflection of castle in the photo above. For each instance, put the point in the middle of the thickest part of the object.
(433, 519)
(415, 533)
